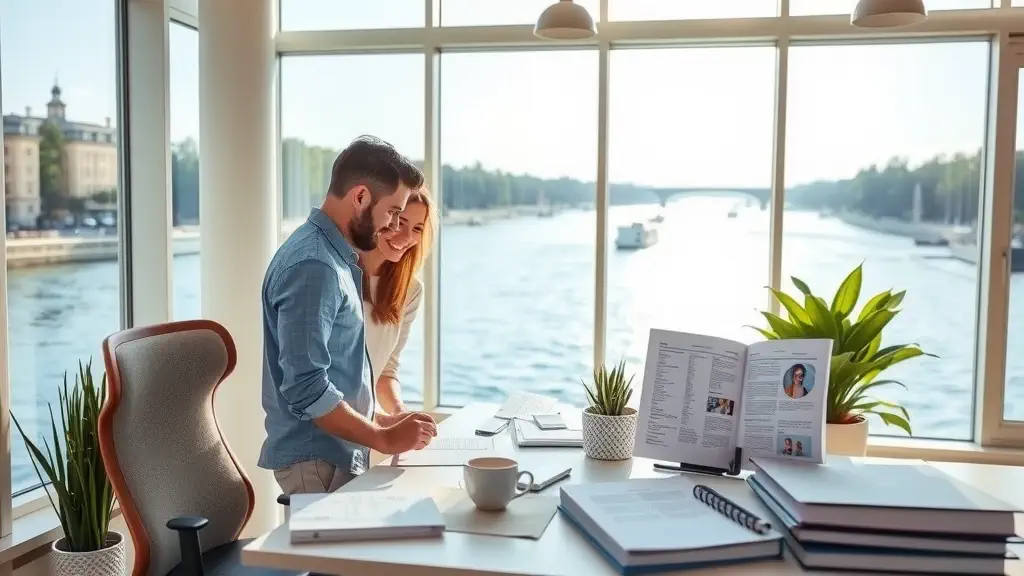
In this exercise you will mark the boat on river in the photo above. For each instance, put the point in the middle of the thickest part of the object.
(636, 236)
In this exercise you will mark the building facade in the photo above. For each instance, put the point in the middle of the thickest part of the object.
(89, 160)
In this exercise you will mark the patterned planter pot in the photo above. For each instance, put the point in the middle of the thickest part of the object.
(109, 561)
(609, 437)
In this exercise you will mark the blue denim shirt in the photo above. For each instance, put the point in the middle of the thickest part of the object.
(314, 347)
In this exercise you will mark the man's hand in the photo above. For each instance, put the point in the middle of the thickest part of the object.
(411, 431)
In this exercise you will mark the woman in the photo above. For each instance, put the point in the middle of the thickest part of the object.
(392, 294)
(796, 386)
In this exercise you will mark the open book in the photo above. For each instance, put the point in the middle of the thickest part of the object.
(704, 396)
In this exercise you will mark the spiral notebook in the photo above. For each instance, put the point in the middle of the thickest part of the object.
(664, 524)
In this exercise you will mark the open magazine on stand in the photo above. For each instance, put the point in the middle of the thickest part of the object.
(710, 403)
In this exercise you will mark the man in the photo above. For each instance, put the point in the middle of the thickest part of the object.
(787, 449)
(317, 378)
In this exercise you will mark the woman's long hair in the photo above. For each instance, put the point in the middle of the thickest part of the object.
(388, 299)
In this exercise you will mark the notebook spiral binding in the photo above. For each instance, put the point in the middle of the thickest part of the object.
(730, 509)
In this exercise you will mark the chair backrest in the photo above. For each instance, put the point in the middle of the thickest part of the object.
(161, 445)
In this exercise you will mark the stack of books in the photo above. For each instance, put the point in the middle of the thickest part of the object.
(890, 517)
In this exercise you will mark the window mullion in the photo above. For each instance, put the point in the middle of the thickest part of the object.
(1000, 164)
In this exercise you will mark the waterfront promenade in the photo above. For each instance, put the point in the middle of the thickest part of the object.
(100, 245)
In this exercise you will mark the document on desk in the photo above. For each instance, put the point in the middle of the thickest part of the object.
(447, 451)
(356, 515)
(525, 517)
(525, 405)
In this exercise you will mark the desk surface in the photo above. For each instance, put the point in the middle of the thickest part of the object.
(561, 551)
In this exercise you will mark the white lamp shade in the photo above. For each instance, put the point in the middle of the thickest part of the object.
(565, 20)
(888, 13)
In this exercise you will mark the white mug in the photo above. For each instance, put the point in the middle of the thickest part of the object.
(491, 481)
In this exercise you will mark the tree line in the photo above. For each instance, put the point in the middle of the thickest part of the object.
(948, 187)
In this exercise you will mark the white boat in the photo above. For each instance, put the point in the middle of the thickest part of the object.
(636, 236)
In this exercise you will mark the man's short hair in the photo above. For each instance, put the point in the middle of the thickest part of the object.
(372, 162)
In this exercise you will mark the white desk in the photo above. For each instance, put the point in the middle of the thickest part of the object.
(561, 551)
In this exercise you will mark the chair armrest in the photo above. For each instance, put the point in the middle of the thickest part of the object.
(188, 528)
(284, 500)
(187, 523)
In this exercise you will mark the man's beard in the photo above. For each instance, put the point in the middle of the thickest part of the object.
(364, 233)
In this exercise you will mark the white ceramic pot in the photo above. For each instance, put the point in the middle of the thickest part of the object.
(109, 561)
(847, 439)
(609, 437)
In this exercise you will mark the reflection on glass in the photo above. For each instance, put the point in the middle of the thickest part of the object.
(321, 113)
(883, 149)
(351, 14)
(691, 161)
(518, 143)
(60, 155)
(500, 12)
(1013, 399)
(678, 9)
(817, 7)
(184, 120)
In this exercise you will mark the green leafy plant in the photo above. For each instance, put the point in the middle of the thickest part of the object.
(85, 499)
(858, 357)
(611, 391)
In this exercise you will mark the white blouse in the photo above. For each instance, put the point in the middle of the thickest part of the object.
(385, 342)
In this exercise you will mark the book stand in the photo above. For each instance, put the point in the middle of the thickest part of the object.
(732, 470)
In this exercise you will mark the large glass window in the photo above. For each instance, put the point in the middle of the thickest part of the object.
(690, 165)
(883, 169)
(322, 109)
(500, 12)
(1013, 398)
(60, 149)
(351, 14)
(184, 82)
(519, 144)
(818, 7)
(681, 9)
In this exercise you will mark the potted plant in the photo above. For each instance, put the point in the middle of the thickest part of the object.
(609, 425)
(73, 467)
(858, 358)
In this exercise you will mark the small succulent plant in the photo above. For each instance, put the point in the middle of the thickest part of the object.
(611, 391)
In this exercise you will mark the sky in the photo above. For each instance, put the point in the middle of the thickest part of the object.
(678, 117)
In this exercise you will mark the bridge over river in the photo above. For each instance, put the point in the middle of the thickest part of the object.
(763, 195)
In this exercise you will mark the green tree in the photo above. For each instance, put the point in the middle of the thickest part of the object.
(185, 183)
(52, 192)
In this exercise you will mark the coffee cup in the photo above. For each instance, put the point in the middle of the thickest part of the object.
(491, 481)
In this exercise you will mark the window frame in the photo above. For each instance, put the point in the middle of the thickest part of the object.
(1007, 69)
(996, 23)
(142, 29)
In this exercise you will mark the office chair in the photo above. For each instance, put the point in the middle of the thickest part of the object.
(182, 493)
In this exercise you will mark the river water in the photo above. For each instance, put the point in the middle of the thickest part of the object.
(517, 307)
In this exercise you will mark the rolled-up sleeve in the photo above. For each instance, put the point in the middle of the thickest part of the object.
(307, 301)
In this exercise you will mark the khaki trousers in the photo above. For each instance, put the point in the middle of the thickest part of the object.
(311, 477)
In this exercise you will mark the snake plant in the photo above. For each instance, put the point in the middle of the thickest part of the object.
(76, 474)
(858, 357)
(611, 391)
